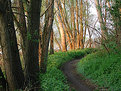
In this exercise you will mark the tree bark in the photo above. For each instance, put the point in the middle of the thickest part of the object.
(63, 36)
(68, 34)
(13, 68)
(102, 24)
(51, 43)
(77, 25)
(55, 39)
(81, 24)
(23, 29)
(46, 36)
(32, 45)
(73, 23)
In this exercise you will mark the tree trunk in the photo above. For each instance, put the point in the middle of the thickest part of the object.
(55, 39)
(99, 13)
(51, 43)
(32, 45)
(81, 25)
(13, 68)
(90, 42)
(73, 23)
(63, 17)
(46, 36)
(63, 36)
(23, 29)
(77, 25)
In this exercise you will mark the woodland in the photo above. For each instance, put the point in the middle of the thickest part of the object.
(60, 45)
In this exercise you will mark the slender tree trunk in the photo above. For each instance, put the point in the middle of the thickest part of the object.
(81, 24)
(63, 36)
(85, 32)
(66, 25)
(51, 43)
(46, 36)
(99, 13)
(77, 25)
(63, 17)
(13, 68)
(32, 45)
(55, 39)
(90, 42)
(73, 23)
(23, 29)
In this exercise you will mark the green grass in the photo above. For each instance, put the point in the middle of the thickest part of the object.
(102, 69)
(54, 79)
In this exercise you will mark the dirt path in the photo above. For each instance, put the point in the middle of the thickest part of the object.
(74, 78)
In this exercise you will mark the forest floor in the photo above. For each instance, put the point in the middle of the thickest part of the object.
(76, 81)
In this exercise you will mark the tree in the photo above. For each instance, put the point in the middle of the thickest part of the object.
(81, 24)
(116, 14)
(62, 32)
(46, 35)
(73, 23)
(22, 27)
(102, 24)
(32, 44)
(13, 68)
(51, 43)
(77, 25)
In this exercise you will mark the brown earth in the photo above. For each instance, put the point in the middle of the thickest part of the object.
(76, 81)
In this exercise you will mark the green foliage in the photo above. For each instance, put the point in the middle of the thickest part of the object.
(54, 79)
(102, 69)
(111, 44)
(29, 36)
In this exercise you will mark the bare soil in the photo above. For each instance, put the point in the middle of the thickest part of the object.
(76, 81)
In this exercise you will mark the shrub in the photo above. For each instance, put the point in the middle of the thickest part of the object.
(102, 69)
(54, 79)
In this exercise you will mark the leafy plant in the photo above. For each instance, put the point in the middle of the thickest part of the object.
(54, 79)
(102, 69)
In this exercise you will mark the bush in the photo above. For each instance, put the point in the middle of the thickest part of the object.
(54, 79)
(102, 69)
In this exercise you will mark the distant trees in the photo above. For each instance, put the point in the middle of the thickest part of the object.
(110, 22)
(71, 15)
(61, 29)
(100, 17)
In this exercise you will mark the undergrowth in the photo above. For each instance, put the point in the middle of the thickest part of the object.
(102, 69)
(54, 79)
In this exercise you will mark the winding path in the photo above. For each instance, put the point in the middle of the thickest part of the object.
(74, 78)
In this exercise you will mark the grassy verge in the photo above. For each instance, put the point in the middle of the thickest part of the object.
(102, 69)
(54, 79)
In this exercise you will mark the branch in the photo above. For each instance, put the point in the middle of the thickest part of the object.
(20, 14)
(16, 21)
(96, 31)
(46, 10)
